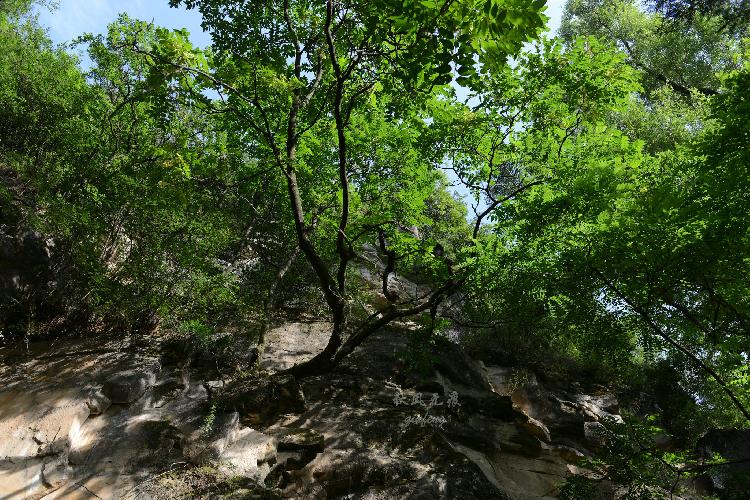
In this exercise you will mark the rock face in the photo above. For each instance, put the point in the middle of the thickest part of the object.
(730, 481)
(258, 400)
(34, 275)
(568, 415)
(27, 280)
(128, 386)
(595, 433)
(115, 424)
(36, 442)
(457, 432)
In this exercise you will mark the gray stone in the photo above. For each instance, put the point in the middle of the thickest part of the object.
(206, 444)
(535, 428)
(568, 453)
(98, 403)
(129, 386)
(297, 439)
(732, 480)
(215, 385)
(249, 455)
(55, 473)
(237, 450)
(595, 432)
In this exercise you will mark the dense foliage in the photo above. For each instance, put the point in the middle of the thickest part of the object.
(605, 175)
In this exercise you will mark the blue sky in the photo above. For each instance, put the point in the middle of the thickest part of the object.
(75, 17)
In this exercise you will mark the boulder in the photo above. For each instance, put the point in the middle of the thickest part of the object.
(237, 450)
(208, 443)
(664, 442)
(517, 442)
(262, 399)
(214, 385)
(603, 407)
(98, 403)
(171, 388)
(249, 455)
(130, 385)
(297, 439)
(568, 453)
(535, 428)
(596, 434)
(732, 480)
(28, 279)
(564, 414)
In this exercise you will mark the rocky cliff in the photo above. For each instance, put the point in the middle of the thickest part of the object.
(92, 419)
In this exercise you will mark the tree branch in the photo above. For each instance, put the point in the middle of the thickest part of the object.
(658, 331)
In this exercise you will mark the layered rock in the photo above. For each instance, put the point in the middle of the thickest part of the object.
(369, 429)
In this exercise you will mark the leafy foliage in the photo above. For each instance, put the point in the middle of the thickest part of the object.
(605, 172)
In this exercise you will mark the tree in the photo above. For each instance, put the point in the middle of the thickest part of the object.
(139, 188)
(686, 58)
(627, 254)
(734, 12)
(679, 65)
(538, 125)
(287, 73)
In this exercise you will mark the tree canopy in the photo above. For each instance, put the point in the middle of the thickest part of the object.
(606, 211)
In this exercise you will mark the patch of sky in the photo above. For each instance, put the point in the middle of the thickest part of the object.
(554, 12)
(71, 18)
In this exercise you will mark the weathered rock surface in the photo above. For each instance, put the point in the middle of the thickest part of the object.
(595, 433)
(298, 439)
(128, 386)
(37, 431)
(370, 429)
(294, 342)
(260, 399)
(535, 428)
(367, 405)
(204, 444)
(730, 481)
(98, 403)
